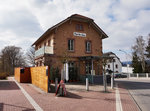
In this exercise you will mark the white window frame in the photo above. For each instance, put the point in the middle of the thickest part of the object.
(71, 44)
(88, 46)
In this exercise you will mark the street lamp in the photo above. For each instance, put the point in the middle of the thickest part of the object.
(126, 58)
(112, 76)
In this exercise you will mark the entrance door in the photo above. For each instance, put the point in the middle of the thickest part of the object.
(88, 67)
(71, 70)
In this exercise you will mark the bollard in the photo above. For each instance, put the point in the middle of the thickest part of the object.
(87, 84)
(147, 75)
(56, 83)
(129, 75)
(137, 75)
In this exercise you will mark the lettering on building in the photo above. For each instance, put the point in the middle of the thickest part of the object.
(78, 34)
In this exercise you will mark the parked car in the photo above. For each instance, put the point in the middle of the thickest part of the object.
(120, 75)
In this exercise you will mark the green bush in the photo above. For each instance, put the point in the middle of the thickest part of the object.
(54, 73)
(3, 75)
(51, 73)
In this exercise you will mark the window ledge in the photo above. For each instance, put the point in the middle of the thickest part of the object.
(88, 52)
(72, 51)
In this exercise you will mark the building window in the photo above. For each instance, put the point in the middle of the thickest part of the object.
(71, 45)
(48, 42)
(88, 46)
(116, 66)
(52, 42)
(108, 66)
(71, 64)
(79, 27)
(114, 60)
(88, 67)
(40, 63)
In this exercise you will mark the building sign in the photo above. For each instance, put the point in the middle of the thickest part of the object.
(79, 34)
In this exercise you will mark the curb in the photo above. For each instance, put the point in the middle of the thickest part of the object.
(118, 100)
(134, 100)
(29, 98)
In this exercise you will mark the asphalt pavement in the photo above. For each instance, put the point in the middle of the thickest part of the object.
(139, 90)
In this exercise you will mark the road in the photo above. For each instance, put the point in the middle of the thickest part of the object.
(140, 91)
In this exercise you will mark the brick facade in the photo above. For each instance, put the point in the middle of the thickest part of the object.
(57, 37)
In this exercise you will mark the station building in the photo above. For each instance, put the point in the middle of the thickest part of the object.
(76, 40)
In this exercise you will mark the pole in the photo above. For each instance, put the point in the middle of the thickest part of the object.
(104, 80)
(87, 84)
(146, 75)
(126, 58)
(112, 76)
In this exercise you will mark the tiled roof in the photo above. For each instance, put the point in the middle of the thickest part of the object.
(73, 17)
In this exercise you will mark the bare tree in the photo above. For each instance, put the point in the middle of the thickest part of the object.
(139, 48)
(11, 57)
(148, 48)
(30, 56)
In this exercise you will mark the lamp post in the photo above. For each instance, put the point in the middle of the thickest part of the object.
(112, 76)
(126, 58)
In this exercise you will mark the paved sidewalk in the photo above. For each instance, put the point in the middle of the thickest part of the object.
(127, 101)
(11, 98)
(78, 99)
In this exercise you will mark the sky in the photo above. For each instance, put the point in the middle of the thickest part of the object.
(22, 22)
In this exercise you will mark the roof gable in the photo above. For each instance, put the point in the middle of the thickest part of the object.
(75, 17)
(111, 53)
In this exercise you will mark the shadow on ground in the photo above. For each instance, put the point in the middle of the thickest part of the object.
(8, 85)
(15, 106)
(73, 96)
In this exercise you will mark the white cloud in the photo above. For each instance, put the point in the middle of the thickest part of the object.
(17, 25)
(23, 21)
(131, 19)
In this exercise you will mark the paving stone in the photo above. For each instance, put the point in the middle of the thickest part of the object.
(12, 99)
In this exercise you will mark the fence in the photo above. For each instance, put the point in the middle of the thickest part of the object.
(139, 75)
(39, 77)
(35, 75)
(95, 79)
